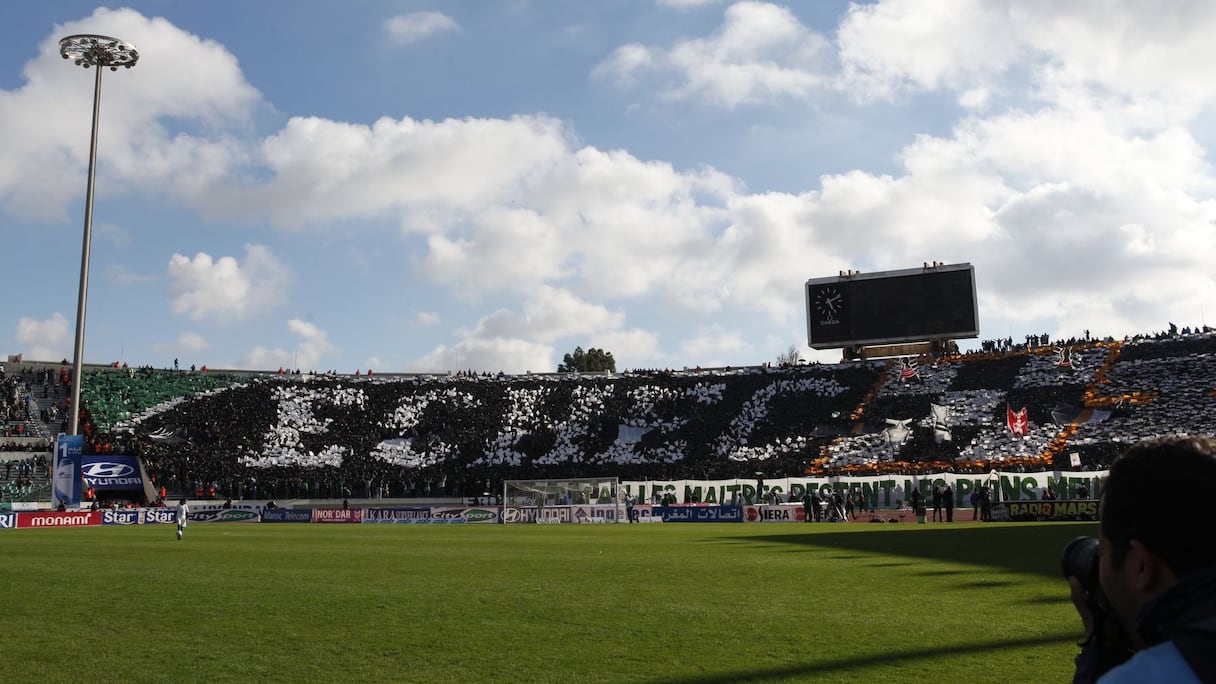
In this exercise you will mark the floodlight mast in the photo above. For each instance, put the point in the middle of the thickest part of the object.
(88, 50)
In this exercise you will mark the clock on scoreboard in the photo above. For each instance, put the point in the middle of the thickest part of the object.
(858, 309)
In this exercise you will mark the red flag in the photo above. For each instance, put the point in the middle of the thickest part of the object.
(1018, 421)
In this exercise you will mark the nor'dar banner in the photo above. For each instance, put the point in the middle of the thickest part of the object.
(337, 515)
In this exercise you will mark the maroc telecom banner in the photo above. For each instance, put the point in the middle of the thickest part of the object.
(699, 513)
(287, 515)
(337, 515)
(55, 519)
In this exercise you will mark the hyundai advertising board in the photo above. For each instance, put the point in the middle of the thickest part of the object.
(110, 473)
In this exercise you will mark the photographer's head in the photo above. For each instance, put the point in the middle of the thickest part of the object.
(1145, 541)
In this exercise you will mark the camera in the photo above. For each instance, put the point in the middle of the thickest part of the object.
(1080, 559)
(1109, 643)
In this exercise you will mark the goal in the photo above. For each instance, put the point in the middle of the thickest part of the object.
(569, 500)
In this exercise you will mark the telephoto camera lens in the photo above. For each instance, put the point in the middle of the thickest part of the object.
(1080, 559)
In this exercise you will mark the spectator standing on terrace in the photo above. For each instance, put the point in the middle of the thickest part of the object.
(1160, 583)
(183, 511)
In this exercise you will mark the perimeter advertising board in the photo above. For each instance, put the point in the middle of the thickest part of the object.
(69, 450)
(55, 519)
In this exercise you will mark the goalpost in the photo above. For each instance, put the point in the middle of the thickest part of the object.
(566, 500)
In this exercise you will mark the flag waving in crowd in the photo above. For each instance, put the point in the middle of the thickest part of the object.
(1018, 421)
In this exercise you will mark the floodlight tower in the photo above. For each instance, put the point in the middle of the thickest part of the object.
(99, 52)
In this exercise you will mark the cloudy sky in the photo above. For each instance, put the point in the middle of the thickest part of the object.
(415, 185)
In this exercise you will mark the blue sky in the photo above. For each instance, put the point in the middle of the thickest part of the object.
(430, 186)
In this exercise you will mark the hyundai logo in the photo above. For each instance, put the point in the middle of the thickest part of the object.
(106, 469)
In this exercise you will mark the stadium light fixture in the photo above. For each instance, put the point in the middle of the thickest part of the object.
(87, 50)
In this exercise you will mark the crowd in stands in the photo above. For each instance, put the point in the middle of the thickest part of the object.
(296, 435)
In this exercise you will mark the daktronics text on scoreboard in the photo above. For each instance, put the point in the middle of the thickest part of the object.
(918, 304)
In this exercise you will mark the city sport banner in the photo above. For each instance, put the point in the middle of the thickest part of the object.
(65, 482)
(876, 491)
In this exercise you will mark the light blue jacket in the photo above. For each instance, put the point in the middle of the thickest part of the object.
(1160, 663)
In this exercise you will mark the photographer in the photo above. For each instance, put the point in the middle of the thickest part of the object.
(1149, 603)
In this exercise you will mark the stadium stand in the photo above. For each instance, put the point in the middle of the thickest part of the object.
(280, 435)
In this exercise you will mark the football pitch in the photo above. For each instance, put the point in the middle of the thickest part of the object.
(538, 603)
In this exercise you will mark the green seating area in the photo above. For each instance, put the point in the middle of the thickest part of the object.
(115, 395)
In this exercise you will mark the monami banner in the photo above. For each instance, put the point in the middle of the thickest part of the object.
(52, 519)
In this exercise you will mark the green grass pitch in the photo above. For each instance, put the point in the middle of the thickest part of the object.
(538, 603)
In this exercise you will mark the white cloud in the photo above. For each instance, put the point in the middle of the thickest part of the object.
(224, 289)
(426, 318)
(312, 346)
(550, 314)
(191, 81)
(1126, 48)
(44, 340)
(186, 343)
(710, 346)
(760, 52)
(413, 27)
(488, 355)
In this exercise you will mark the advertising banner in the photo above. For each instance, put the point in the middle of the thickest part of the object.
(461, 514)
(157, 516)
(1062, 511)
(337, 515)
(110, 473)
(8, 521)
(699, 513)
(874, 491)
(65, 480)
(644, 513)
(53, 519)
(406, 515)
(124, 516)
(287, 515)
(778, 513)
(532, 514)
(223, 515)
(595, 514)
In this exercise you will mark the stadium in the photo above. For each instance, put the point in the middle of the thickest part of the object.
(439, 448)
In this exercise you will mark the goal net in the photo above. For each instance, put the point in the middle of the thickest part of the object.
(572, 500)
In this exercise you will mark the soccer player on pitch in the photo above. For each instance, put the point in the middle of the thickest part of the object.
(183, 510)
